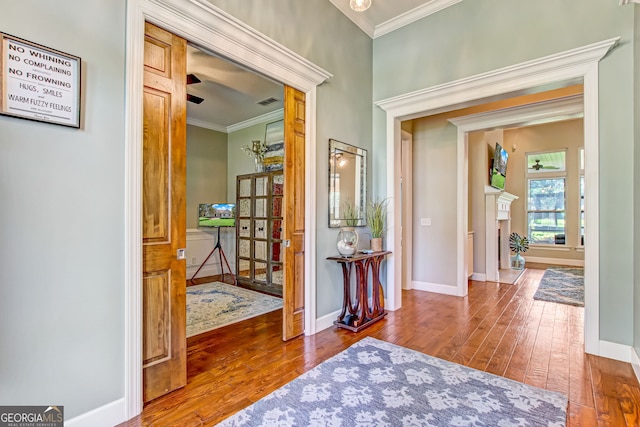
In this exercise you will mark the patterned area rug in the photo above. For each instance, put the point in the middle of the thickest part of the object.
(376, 383)
(213, 305)
(562, 285)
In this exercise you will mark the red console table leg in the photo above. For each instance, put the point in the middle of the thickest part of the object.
(357, 315)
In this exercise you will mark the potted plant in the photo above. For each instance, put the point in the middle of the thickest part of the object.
(351, 214)
(376, 219)
(518, 244)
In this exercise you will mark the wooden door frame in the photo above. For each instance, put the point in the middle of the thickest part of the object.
(199, 22)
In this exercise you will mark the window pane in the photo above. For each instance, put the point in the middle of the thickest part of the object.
(546, 194)
(546, 162)
(546, 227)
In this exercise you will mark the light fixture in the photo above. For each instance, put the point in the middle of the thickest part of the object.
(359, 5)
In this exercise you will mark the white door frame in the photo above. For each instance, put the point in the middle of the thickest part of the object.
(580, 63)
(407, 209)
(207, 26)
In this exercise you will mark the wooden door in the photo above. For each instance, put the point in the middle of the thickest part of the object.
(294, 179)
(164, 213)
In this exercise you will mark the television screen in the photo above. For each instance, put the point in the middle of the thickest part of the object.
(499, 167)
(217, 215)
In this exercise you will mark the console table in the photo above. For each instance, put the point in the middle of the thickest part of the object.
(356, 313)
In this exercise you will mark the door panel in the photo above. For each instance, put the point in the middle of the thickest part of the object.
(294, 171)
(164, 213)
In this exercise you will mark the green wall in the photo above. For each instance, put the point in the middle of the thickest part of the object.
(62, 220)
(241, 163)
(62, 191)
(322, 34)
(206, 170)
(473, 37)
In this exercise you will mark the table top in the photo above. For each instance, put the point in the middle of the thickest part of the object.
(357, 257)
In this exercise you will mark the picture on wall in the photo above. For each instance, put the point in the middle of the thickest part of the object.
(274, 138)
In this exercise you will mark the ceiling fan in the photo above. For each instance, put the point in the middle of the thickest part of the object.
(539, 166)
(192, 79)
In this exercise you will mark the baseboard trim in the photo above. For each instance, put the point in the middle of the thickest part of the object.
(612, 350)
(107, 415)
(210, 270)
(635, 363)
(435, 287)
(326, 321)
(479, 277)
(555, 261)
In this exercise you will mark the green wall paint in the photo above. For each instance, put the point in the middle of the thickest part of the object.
(206, 170)
(62, 226)
(321, 33)
(62, 221)
(461, 42)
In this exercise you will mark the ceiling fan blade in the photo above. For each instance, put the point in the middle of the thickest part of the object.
(194, 99)
(191, 79)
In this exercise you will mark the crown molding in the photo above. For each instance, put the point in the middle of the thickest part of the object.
(413, 15)
(263, 118)
(422, 11)
(357, 18)
(206, 125)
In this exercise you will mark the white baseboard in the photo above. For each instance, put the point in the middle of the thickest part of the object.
(635, 362)
(480, 277)
(612, 350)
(555, 261)
(435, 287)
(325, 322)
(107, 415)
(209, 270)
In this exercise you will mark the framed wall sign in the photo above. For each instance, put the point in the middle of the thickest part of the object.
(39, 83)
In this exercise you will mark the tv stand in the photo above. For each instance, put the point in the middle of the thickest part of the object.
(221, 256)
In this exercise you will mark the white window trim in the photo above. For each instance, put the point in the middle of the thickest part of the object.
(545, 175)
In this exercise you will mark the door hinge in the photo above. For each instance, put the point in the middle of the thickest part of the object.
(286, 243)
(181, 254)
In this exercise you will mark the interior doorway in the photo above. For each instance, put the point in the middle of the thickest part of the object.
(561, 69)
(246, 46)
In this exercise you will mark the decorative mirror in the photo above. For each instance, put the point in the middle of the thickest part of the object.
(347, 185)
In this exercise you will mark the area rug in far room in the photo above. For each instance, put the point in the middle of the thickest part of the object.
(564, 285)
(376, 383)
(214, 305)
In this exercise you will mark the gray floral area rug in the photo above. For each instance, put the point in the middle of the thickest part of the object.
(376, 383)
(563, 285)
(214, 305)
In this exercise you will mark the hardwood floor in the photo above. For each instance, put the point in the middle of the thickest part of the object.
(498, 328)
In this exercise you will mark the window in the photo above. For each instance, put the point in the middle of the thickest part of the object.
(546, 182)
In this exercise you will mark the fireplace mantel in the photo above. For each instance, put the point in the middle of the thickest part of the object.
(498, 217)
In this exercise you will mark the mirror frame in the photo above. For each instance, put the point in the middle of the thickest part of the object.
(336, 148)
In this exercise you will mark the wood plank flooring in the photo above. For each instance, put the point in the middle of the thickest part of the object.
(498, 328)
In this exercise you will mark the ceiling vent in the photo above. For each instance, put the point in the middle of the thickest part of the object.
(267, 101)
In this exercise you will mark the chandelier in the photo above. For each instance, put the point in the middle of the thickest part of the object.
(359, 5)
